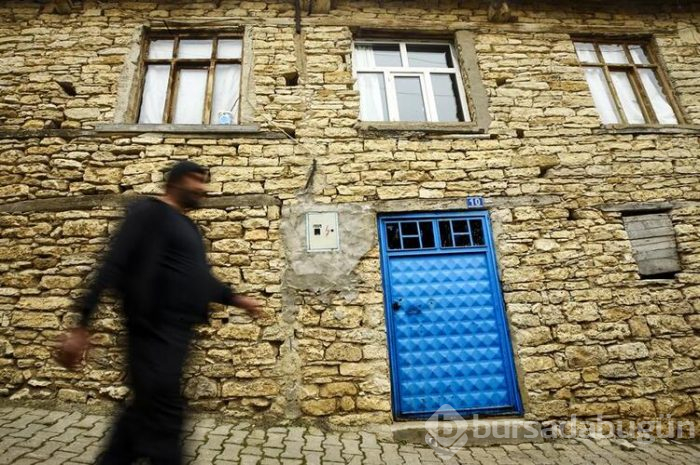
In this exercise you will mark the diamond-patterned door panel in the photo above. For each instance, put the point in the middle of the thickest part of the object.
(449, 338)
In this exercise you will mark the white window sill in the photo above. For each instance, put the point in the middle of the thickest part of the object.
(179, 128)
(648, 129)
(469, 128)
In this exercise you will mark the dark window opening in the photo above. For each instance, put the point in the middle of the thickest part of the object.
(291, 79)
(477, 229)
(410, 235)
(393, 237)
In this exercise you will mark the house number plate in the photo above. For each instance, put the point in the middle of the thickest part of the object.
(475, 202)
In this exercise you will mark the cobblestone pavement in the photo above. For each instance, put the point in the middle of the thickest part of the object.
(37, 436)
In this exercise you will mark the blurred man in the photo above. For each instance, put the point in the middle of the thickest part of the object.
(158, 264)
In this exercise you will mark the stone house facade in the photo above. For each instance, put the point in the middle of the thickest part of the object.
(559, 184)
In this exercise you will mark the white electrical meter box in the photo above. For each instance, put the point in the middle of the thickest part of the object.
(322, 232)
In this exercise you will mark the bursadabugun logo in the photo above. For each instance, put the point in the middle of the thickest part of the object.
(446, 433)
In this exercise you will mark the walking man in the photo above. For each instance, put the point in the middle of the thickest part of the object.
(157, 262)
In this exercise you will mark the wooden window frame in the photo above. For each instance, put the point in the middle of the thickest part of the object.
(630, 69)
(423, 73)
(176, 63)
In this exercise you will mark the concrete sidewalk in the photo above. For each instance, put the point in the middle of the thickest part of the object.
(37, 436)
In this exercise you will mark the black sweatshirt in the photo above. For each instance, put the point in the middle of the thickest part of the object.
(157, 262)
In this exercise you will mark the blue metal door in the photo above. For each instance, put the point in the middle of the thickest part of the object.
(448, 339)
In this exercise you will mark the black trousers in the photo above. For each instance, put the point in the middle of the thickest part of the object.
(150, 425)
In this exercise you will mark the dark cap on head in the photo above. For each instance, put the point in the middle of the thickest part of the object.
(181, 169)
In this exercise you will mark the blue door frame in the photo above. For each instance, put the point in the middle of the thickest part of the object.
(509, 401)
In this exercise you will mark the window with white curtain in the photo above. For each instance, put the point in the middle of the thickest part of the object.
(627, 83)
(191, 80)
(409, 81)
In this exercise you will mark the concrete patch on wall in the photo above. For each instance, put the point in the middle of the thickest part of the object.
(327, 271)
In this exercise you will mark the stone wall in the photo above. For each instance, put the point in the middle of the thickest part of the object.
(590, 336)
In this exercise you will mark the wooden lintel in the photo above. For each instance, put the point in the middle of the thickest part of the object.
(499, 12)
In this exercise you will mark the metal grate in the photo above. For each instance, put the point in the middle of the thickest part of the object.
(450, 233)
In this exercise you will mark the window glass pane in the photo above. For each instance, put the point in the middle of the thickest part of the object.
(664, 111)
(229, 48)
(410, 229)
(446, 95)
(427, 235)
(459, 226)
(429, 56)
(160, 49)
(410, 98)
(191, 89)
(445, 234)
(373, 106)
(411, 242)
(477, 228)
(224, 103)
(194, 49)
(377, 55)
(386, 55)
(627, 97)
(155, 89)
(613, 53)
(462, 240)
(393, 237)
(601, 95)
(638, 55)
(586, 52)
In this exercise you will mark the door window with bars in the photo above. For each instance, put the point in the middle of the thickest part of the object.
(449, 234)
(191, 80)
(627, 83)
(405, 81)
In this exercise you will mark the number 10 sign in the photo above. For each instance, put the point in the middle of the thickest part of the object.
(475, 202)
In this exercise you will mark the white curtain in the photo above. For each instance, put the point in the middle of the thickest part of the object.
(154, 91)
(191, 90)
(613, 53)
(194, 49)
(364, 56)
(372, 97)
(229, 48)
(628, 99)
(601, 95)
(664, 111)
(227, 80)
(586, 52)
(160, 49)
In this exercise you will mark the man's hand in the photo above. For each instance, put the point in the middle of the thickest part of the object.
(251, 305)
(72, 348)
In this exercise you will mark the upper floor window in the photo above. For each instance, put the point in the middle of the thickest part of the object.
(409, 81)
(627, 83)
(191, 80)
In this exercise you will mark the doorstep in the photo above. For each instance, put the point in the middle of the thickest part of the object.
(479, 432)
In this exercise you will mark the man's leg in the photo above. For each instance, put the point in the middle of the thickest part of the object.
(164, 426)
(120, 450)
(164, 405)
